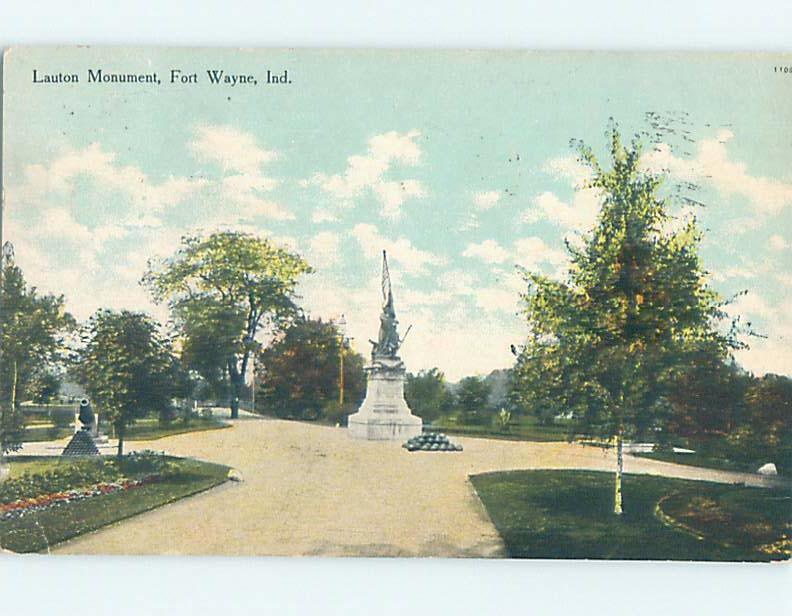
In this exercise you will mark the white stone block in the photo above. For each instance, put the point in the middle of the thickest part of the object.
(767, 469)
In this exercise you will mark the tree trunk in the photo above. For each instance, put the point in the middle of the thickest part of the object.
(14, 381)
(617, 495)
(234, 405)
(234, 378)
(120, 451)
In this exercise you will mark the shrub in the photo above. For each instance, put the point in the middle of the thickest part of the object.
(337, 413)
(146, 463)
(62, 418)
(503, 420)
(83, 473)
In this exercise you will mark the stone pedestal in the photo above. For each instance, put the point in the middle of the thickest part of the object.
(384, 414)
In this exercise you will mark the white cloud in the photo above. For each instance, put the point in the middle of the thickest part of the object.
(321, 215)
(734, 271)
(772, 354)
(232, 149)
(450, 338)
(486, 200)
(457, 282)
(496, 298)
(241, 160)
(533, 251)
(777, 242)
(411, 259)
(469, 222)
(367, 173)
(42, 181)
(393, 194)
(323, 249)
(580, 214)
(488, 251)
(784, 278)
(568, 167)
(712, 165)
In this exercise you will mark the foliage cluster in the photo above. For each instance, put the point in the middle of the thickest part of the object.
(82, 473)
(298, 374)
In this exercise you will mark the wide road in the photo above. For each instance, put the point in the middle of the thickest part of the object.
(311, 490)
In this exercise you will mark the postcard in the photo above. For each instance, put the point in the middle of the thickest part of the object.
(488, 304)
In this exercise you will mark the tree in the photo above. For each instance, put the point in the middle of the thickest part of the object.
(298, 375)
(45, 387)
(126, 367)
(222, 291)
(472, 397)
(766, 432)
(708, 400)
(427, 394)
(32, 331)
(633, 313)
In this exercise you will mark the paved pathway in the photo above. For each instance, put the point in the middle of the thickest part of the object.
(311, 490)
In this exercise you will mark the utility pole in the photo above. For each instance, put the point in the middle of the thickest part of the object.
(341, 372)
(341, 327)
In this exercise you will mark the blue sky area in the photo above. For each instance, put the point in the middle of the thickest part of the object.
(457, 163)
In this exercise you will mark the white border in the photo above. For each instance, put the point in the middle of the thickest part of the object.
(63, 585)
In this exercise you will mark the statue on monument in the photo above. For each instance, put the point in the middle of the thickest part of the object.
(388, 341)
(384, 413)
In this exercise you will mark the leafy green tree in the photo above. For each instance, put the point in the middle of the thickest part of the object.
(127, 368)
(45, 387)
(765, 434)
(472, 398)
(427, 394)
(298, 375)
(222, 291)
(708, 400)
(32, 331)
(633, 313)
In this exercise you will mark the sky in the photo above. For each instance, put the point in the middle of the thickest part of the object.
(457, 163)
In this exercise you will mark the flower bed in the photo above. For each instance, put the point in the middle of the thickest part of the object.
(19, 508)
(78, 474)
(73, 505)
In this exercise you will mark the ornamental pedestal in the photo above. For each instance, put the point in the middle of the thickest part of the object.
(384, 414)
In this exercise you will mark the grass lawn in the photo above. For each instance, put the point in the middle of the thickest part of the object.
(149, 428)
(35, 433)
(35, 532)
(524, 429)
(703, 460)
(19, 465)
(146, 429)
(568, 514)
(697, 459)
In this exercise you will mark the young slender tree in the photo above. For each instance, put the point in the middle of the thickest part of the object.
(126, 367)
(222, 291)
(633, 313)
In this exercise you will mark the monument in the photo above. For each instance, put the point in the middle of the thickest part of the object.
(384, 414)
